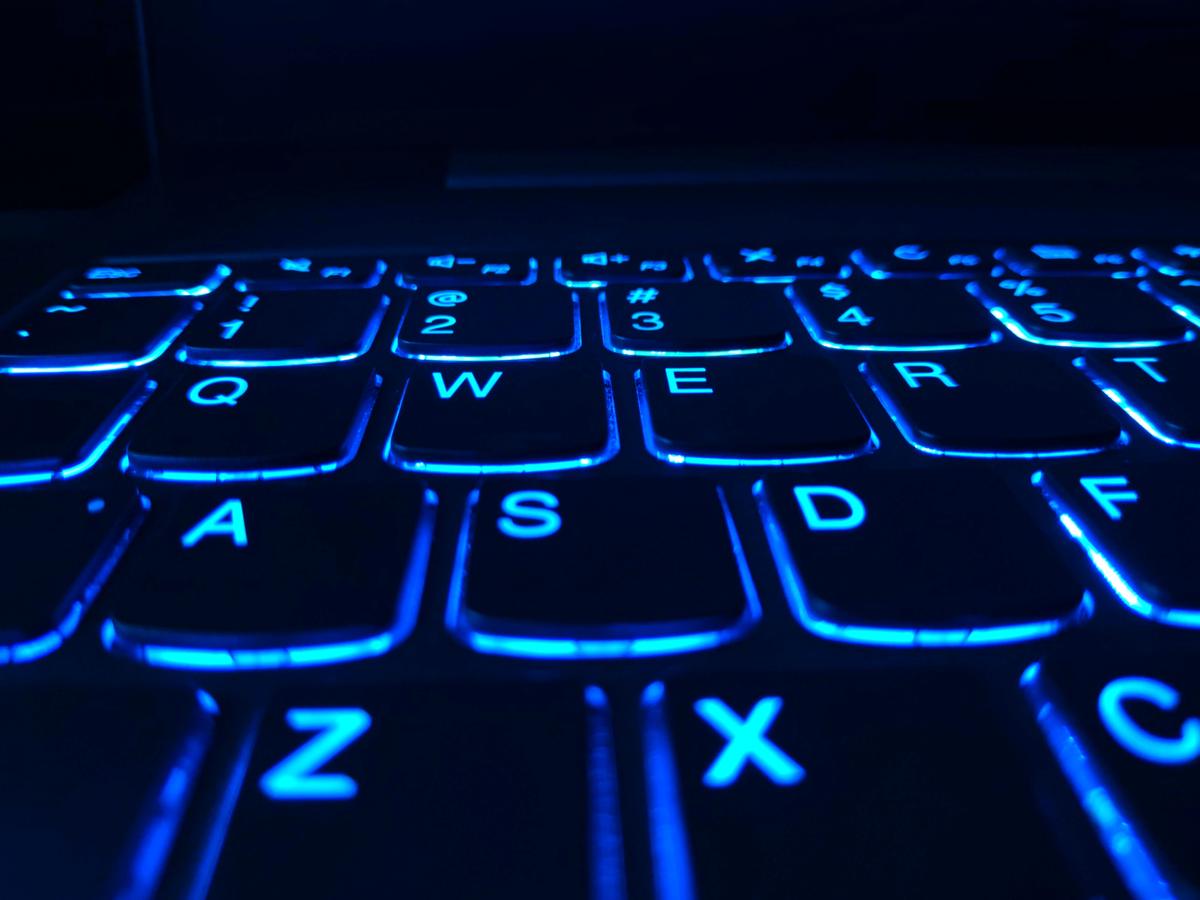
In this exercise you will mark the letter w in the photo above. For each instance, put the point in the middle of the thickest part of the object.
(469, 378)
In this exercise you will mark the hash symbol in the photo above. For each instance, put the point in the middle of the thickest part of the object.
(642, 295)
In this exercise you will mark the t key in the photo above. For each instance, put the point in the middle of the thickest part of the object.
(1157, 389)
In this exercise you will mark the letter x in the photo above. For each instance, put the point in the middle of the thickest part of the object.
(763, 254)
(747, 742)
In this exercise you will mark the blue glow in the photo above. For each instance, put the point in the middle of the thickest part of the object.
(688, 275)
(327, 283)
(576, 343)
(747, 742)
(1180, 750)
(881, 273)
(295, 777)
(606, 339)
(668, 833)
(1118, 835)
(210, 284)
(1143, 255)
(214, 839)
(797, 596)
(716, 275)
(1179, 309)
(529, 279)
(572, 647)
(607, 855)
(1132, 411)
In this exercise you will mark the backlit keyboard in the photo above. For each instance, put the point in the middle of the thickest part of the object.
(747, 572)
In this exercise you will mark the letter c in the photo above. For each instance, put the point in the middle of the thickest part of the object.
(1176, 751)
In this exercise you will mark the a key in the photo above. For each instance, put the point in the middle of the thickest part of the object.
(56, 550)
(187, 278)
(773, 410)
(1125, 729)
(901, 314)
(594, 569)
(254, 424)
(1136, 525)
(597, 268)
(489, 324)
(458, 419)
(845, 784)
(993, 403)
(1044, 260)
(95, 784)
(59, 426)
(51, 335)
(488, 791)
(1175, 260)
(922, 261)
(286, 328)
(936, 536)
(271, 576)
(1156, 388)
(1081, 312)
(776, 264)
(694, 320)
(466, 270)
(305, 273)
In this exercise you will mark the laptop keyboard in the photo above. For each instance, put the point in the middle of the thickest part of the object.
(747, 572)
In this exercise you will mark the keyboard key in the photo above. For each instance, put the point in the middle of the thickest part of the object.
(518, 418)
(993, 403)
(963, 559)
(58, 547)
(1170, 259)
(501, 791)
(776, 410)
(544, 570)
(1126, 731)
(923, 261)
(272, 576)
(597, 268)
(448, 269)
(1156, 389)
(188, 278)
(776, 264)
(1137, 524)
(845, 784)
(254, 424)
(1181, 294)
(304, 273)
(903, 314)
(94, 786)
(59, 426)
(53, 335)
(1047, 260)
(1081, 312)
(287, 328)
(482, 324)
(694, 320)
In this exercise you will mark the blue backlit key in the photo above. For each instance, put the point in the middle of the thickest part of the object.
(1046, 260)
(1182, 294)
(848, 784)
(254, 424)
(930, 559)
(1175, 260)
(188, 278)
(581, 569)
(922, 261)
(496, 791)
(1157, 388)
(1081, 312)
(271, 576)
(596, 268)
(776, 264)
(1125, 729)
(899, 314)
(694, 320)
(465, 270)
(489, 323)
(285, 328)
(306, 273)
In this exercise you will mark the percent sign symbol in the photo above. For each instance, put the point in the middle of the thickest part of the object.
(1023, 288)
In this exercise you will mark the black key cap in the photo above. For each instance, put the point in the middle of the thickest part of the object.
(516, 418)
(56, 550)
(1046, 260)
(946, 585)
(430, 792)
(1126, 732)
(922, 261)
(1157, 389)
(469, 270)
(542, 571)
(1181, 294)
(694, 320)
(288, 328)
(289, 273)
(776, 410)
(481, 324)
(993, 403)
(94, 785)
(776, 264)
(1137, 525)
(901, 314)
(272, 576)
(844, 784)
(1170, 259)
(597, 268)
(254, 424)
(1081, 312)
(188, 278)
(58, 427)
(54, 335)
